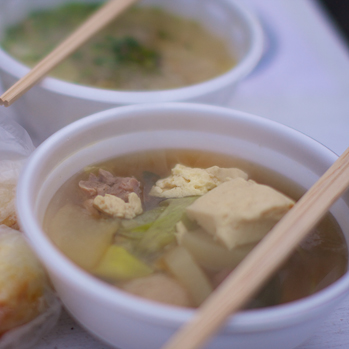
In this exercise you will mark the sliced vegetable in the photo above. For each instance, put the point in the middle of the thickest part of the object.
(133, 229)
(81, 237)
(162, 231)
(142, 222)
(118, 264)
(210, 254)
(187, 271)
(159, 287)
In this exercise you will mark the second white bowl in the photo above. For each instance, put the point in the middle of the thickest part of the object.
(53, 103)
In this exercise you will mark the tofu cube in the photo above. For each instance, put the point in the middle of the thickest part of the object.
(239, 211)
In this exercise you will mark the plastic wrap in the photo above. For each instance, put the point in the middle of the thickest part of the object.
(15, 147)
(25, 315)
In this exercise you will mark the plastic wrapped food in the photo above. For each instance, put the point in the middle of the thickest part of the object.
(29, 307)
(15, 147)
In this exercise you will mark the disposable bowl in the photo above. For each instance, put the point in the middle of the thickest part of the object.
(54, 103)
(129, 322)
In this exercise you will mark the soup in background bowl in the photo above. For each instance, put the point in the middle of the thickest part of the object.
(54, 103)
(145, 48)
(271, 153)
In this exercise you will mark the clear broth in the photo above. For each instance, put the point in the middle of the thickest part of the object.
(318, 261)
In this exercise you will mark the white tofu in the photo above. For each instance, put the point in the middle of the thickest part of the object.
(116, 207)
(188, 181)
(239, 212)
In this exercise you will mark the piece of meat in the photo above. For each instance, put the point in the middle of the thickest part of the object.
(106, 183)
(94, 186)
(123, 186)
(106, 177)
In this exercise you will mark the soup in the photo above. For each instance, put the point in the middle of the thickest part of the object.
(166, 243)
(146, 48)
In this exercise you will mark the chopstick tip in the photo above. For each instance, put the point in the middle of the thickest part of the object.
(4, 102)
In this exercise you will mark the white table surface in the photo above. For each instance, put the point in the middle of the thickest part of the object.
(303, 82)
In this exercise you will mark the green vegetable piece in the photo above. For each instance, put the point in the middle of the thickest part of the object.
(162, 231)
(134, 229)
(118, 264)
(142, 222)
(164, 35)
(128, 50)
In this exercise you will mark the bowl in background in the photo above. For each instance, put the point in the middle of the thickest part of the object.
(54, 103)
(128, 322)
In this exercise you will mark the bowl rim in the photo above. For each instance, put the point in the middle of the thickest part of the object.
(238, 72)
(259, 319)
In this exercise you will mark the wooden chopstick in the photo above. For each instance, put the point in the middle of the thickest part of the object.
(265, 258)
(92, 25)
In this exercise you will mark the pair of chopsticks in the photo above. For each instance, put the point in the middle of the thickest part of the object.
(95, 23)
(268, 255)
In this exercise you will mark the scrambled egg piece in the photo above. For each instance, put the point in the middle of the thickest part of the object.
(239, 211)
(116, 207)
(187, 181)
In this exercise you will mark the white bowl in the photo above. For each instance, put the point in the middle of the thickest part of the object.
(55, 103)
(128, 322)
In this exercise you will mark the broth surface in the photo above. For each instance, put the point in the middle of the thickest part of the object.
(317, 262)
(144, 49)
